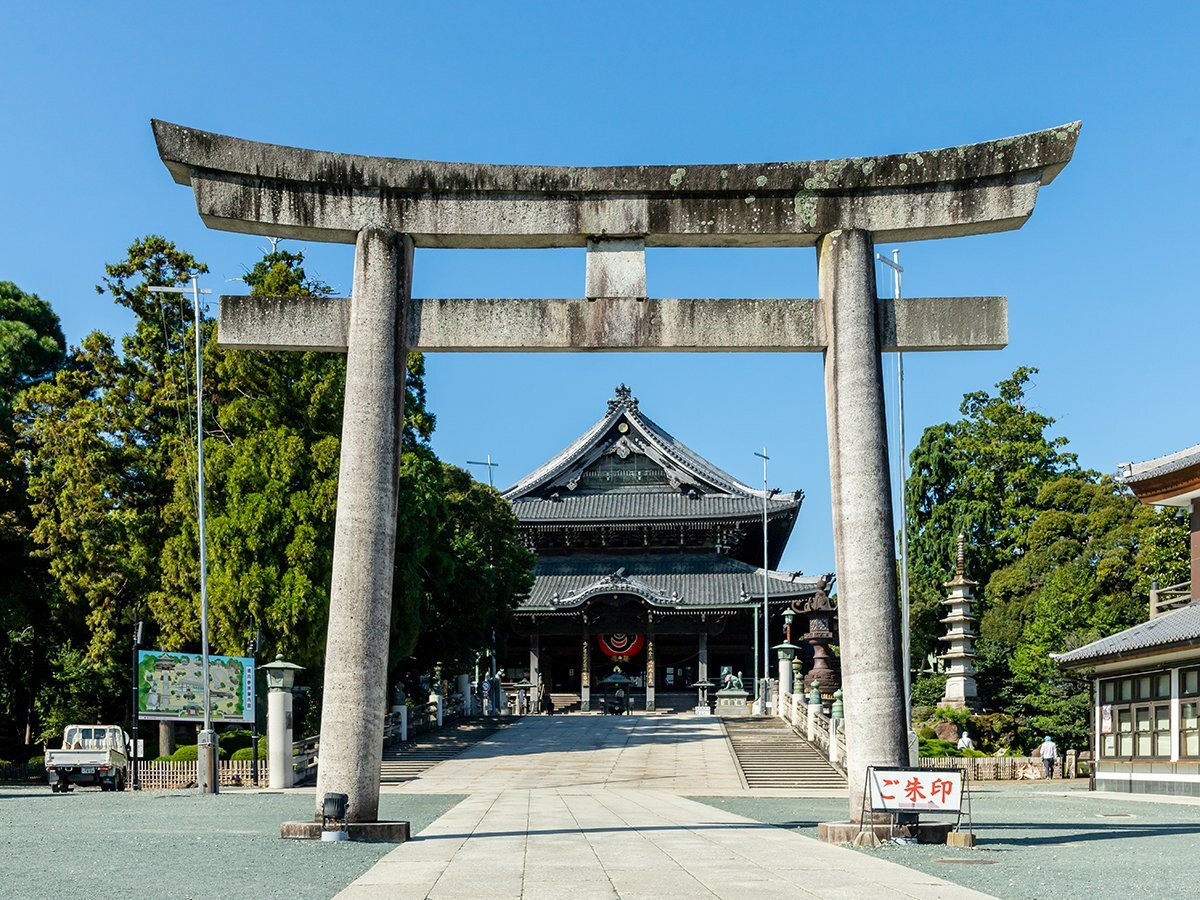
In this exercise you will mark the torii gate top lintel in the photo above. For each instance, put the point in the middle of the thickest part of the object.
(248, 186)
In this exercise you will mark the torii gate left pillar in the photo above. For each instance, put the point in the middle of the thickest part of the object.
(385, 206)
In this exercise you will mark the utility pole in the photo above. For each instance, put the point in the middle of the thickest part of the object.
(766, 622)
(207, 745)
(490, 465)
(897, 270)
(135, 783)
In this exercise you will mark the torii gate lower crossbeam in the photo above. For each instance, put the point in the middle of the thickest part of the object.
(386, 206)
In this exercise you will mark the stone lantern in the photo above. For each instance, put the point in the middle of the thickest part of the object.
(820, 613)
(786, 652)
(281, 678)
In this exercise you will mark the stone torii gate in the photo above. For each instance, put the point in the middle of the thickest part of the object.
(386, 207)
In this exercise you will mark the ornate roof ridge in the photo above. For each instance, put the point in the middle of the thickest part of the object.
(625, 404)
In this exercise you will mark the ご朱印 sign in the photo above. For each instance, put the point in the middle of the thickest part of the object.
(923, 790)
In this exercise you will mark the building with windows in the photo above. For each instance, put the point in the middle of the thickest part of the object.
(1147, 678)
(650, 558)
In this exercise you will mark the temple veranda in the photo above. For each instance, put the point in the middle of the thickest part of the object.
(387, 207)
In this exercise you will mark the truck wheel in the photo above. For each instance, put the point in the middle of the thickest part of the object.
(120, 785)
(54, 787)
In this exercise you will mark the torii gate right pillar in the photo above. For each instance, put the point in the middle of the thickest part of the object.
(876, 733)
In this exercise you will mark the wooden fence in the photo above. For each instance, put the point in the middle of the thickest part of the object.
(169, 775)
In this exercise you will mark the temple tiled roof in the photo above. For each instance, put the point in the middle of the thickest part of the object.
(1168, 631)
(687, 468)
(633, 506)
(672, 579)
(1131, 473)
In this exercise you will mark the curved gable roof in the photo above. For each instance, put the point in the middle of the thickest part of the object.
(677, 460)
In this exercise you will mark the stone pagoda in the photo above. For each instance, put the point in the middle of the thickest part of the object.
(960, 635)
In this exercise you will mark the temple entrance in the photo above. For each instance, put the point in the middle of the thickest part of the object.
(387, 207)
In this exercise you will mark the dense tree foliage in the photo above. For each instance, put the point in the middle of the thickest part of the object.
(105, 444)
(1063, 555)
(31, 348)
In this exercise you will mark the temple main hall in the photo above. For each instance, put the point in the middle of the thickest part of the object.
(649, 558)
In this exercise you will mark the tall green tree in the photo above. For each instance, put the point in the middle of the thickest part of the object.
(104, 442)
(31, 349)
(1063, 555)
(980, 477)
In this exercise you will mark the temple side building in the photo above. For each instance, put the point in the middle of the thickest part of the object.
(1146, 679)
(648, 557)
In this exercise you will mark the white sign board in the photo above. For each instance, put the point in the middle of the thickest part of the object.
(911, 790)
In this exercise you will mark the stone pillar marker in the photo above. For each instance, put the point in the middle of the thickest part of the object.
(585, 676)
(364, 543)
(876, 733)
(535, 670)
(650, 670)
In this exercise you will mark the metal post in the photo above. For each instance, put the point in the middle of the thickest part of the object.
(490, 466)
(906, 641)
(766, 636)
(252, 650)
(135, 783)
(207, 753)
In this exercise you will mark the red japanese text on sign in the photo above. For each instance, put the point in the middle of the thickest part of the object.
(929, 790)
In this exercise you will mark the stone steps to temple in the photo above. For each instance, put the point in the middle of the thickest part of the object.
(404, 762)
(566, 703)
(772, 756)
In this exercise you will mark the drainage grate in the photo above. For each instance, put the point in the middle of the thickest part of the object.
(1115, 815)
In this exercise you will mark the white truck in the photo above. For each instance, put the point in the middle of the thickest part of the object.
(90, 754)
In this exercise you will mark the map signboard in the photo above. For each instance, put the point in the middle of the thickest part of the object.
(171, 686)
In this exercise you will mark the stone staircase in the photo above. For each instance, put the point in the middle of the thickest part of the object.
(565, 703)
(772, 755)
(404, 762)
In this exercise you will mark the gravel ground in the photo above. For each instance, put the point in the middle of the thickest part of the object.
(176, 844)
(1034, 845)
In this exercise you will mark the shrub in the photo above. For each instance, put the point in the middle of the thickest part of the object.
(37, 760)
(188, 753)
(926, 733)
(238, 739)
(248, 753)
(937, 748)
(960, 717)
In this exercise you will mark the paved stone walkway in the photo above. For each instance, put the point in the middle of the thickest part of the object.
(673, 753)
(588, 807)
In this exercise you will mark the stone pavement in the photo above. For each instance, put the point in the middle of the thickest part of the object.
(673, 753)
(588, 807)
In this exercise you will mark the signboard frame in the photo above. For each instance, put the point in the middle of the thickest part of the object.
(873, 801)
(219, 687)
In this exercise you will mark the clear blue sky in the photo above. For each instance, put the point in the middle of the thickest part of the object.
(1097, 280)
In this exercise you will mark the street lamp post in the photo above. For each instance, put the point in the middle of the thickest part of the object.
(252, 651)
(766, 616)
(897, 270)
(206, 751)
(135, 783)
(490, 466)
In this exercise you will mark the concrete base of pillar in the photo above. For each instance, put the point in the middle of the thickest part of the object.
(848, 832)
(376, 832)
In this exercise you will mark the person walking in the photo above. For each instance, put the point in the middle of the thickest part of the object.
(1049, 753)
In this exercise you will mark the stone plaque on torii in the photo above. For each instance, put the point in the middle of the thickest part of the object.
(386, 207)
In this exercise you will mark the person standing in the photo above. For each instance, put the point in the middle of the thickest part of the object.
(1049, 753)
